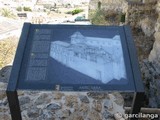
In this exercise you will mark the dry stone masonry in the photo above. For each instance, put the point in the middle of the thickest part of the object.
(61, 105)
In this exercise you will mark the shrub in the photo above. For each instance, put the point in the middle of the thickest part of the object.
(76, 11)
(27, 9)
(98, 18)
(7, 13)
(19, 8)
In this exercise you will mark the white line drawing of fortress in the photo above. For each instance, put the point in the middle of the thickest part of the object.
(98, 58)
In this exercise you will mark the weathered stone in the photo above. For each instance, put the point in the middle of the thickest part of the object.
(97, 105)
(119, 99)
(108, 105)
(5, 116)
(96, 95)
(84, 98)
(75, 106)
(107, 115)
(33, 112)
(54, 106)
(84, 108)
(155, 53)
(43, 98)
(62, 114)
(153, 103)
(47, 115)
(5, 74)
(94, 115)
(58, 95)
(76, 116)
(3, 86)
(21, 93)
(70, 100)
(24, 100)
(3, 109)
(147, 26)
(2, 95)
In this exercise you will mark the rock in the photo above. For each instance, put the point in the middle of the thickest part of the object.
(97, 105)
(66, 113)
(111, 106)
(33, 112)
(54, 106)
(119, 99)
(153, 102)
(43, 98)
(3, 109)
(84, 98)
(84, 108)
(24, 100)
(71, 100)
(108, 105)
(155, 53)
(20, 93)
(2, 95)
(76, 116)
(58, 95)
(96, 95)
(63, 113)
(5, 74)
(5, 116)
(75, 106)
(106, 115)
(93, 115)
(47, 115)
(147, 26)
(3, 86)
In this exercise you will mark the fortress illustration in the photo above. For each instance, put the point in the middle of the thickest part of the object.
(98, 58)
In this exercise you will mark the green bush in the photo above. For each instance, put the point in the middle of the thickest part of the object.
(19, 8)
(7, 13)
(76, 11)
(103, 17)
(27, 9)
(98, 18)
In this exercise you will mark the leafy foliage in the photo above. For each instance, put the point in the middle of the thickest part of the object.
(27, 9)
(103, 17)
(7, 13)
(76, 11)
(19, 8)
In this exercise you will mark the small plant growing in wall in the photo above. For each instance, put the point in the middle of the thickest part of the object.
(27, 9)
(99, 5)
(19, 8)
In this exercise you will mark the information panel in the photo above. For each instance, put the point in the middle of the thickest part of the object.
(76, 58)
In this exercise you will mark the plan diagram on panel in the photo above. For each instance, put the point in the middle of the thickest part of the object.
(98, 58)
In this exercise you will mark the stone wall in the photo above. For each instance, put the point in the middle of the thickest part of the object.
(45, 105)
(117, 5)
(138, 12)
(154, 56)
(110, 10)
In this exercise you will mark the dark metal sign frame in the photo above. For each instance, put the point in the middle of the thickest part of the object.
(17, 79)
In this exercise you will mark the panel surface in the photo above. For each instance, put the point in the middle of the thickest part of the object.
(76, 58)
